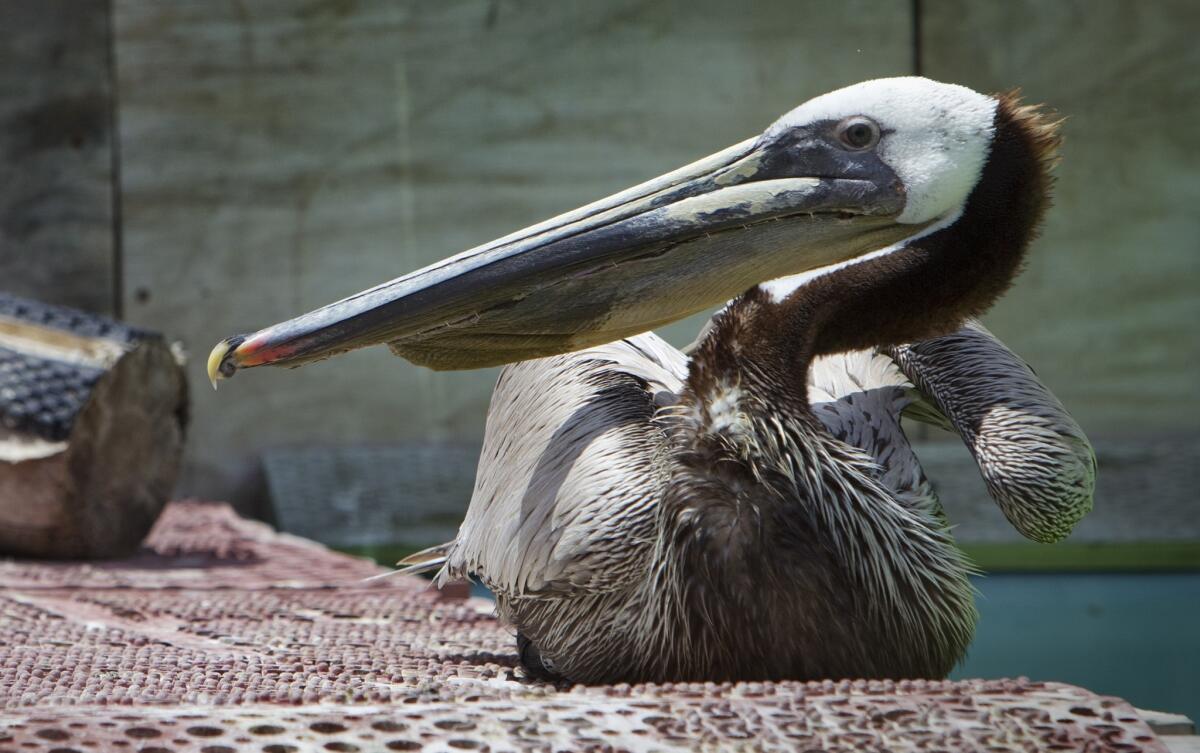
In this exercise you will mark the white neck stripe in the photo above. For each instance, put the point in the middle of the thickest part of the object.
(781, 288)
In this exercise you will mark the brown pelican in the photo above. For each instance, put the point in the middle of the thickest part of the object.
(753, 510)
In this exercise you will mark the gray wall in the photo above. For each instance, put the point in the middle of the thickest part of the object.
(275, 156)
(56, 153)
(1107, 308)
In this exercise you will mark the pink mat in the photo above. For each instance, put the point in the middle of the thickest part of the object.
(225, 636)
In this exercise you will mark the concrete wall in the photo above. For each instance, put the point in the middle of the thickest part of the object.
(275, 156)
(56, 158)
(1106, 308)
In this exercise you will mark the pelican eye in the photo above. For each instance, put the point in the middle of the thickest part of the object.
(858, 133)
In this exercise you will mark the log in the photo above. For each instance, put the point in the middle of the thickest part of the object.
(92, 421)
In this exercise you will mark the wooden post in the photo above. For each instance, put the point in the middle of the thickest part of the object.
(92, 418)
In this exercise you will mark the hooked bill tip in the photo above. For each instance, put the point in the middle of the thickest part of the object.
(220, 366)
(214, 362)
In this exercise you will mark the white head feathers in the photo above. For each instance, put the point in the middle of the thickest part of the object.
(936, 137)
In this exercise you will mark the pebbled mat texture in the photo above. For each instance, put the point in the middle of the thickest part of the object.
(224, 636)
(42, 395)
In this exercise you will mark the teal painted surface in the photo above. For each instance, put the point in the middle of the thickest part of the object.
(1134, 636)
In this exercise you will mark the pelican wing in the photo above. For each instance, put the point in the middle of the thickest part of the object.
(575, 460)
(573, 463)
(860, 397)
(1035, 459)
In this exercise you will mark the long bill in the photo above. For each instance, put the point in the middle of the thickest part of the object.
(652, 254)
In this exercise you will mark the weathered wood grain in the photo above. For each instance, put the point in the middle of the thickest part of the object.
(1105, 310)
(56, 194)
(93, 417)
(279, 155)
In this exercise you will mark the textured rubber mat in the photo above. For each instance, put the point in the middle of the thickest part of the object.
(932, 717)
(69, 320)
(42, 395)
(205, 546)
(223, 636)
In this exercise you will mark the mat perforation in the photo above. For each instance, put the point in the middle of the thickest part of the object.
(224, 636)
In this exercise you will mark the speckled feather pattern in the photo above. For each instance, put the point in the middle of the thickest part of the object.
(756, 512)
(583, 448)
(1035, 459)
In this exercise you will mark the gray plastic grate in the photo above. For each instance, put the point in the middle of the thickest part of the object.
(368, 495)
(418, 493)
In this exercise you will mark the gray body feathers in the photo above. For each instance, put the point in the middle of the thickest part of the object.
(588, 454)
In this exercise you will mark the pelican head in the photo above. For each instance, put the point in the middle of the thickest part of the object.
(845, 174)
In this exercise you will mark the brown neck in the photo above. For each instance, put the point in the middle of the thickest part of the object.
(925, 289)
